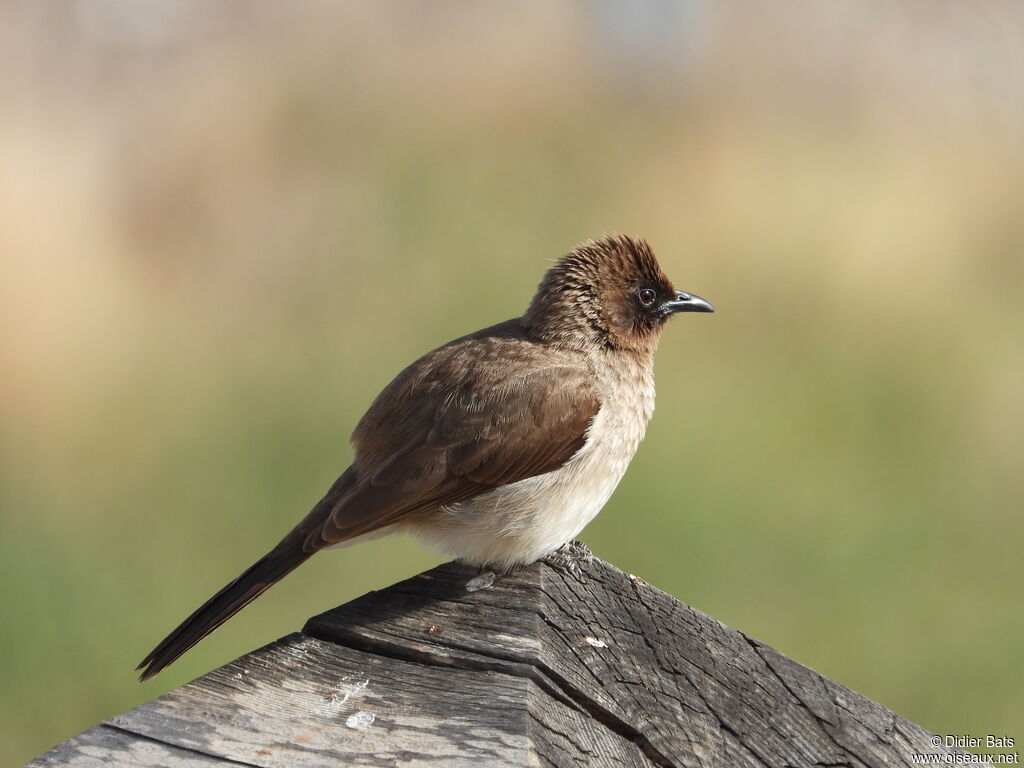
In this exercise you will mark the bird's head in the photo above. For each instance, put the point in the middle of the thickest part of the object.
(609, 293)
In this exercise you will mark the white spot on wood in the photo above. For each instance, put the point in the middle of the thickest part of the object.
(483, 581)
(595, 642)
(516, 640)
(335, 701)
(360, 720)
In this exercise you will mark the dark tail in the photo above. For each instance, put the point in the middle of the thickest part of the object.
(234, 597)
(292, 552)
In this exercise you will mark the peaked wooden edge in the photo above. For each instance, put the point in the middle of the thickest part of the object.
(456, 668)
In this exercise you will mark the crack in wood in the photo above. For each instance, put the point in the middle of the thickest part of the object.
(723, 725)
(547, 679)
(466, 659)
(191, 750)
(821, 722)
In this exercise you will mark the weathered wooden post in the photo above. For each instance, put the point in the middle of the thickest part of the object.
(537, 669)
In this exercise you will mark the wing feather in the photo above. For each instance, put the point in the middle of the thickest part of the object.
(469, 417)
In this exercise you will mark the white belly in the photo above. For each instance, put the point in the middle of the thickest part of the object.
(522, 522)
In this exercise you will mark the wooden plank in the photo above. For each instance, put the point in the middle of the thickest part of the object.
(305, 702)
(538, 669)
(685, 688)
(105, 746)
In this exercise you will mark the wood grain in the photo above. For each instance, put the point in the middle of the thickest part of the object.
(539, 669)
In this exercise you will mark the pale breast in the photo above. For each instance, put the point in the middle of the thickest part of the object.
(521, 522)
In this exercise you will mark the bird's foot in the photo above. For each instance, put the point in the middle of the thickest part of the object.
(568, 558)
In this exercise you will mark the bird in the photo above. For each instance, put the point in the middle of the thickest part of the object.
(498, 447)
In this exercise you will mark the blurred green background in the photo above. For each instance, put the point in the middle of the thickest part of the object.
(225, 226)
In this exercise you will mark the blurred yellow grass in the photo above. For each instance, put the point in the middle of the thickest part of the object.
(218, 243)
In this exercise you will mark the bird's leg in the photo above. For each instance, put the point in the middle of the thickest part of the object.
(568, 557)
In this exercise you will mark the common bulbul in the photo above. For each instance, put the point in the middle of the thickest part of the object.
(498, 447)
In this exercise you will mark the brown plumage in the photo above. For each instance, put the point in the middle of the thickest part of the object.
(497, 447)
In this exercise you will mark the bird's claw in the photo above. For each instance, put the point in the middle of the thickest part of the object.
(568, 558)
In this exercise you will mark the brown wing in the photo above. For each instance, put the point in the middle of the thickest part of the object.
(474, 415)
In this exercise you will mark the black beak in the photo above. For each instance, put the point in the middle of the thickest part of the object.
(687, 302)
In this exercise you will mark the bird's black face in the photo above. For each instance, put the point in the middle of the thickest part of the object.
(608, 293)
(636, 313)
(679, 301)
(658, 300)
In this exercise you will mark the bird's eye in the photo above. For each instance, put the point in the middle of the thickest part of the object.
(647, 296)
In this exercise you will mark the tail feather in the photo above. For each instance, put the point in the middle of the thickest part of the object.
(222, 606)
(292, 552)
